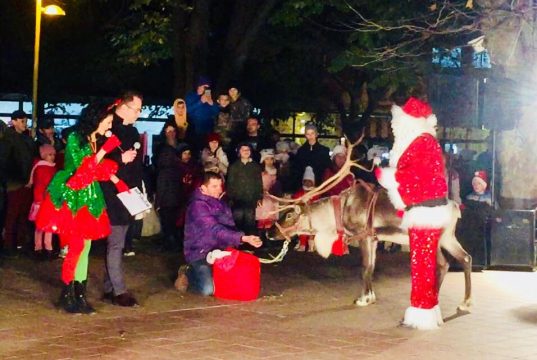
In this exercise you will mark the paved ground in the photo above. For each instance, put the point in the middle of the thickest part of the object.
(305, 312)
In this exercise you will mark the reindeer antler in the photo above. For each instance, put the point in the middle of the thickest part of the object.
(328, 183)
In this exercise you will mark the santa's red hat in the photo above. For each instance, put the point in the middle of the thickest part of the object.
(481, 176)
(417, 108)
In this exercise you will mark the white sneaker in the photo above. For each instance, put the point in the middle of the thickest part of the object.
(129, 253)
(63, 252)
(301, 248)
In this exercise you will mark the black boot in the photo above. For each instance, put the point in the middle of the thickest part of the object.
(68, 300)
(82, 302)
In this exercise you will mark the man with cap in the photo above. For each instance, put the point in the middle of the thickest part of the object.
(313, 154)
(417, 187)
(46, 134)
(201, 110)
(18, 155)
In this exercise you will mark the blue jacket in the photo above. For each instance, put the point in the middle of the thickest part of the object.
(200, 115)
(209, 225)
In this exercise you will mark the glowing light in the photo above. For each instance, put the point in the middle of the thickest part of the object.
(53, 10)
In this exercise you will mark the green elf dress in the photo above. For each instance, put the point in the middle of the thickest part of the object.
(74, 206)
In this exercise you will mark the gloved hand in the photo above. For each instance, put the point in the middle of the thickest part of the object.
(121, 186)
(110, 144)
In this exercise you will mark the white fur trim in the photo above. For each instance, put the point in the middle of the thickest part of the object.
(423, 319)
(216, 254)
(406, 129)
(428, 217)
(396, 199)
(324, 242)
(387, 180)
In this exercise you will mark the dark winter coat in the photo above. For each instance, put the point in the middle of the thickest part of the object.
(130, 173)
(209, 225)
(168, 177)
(18, 156)
(244, 183)
(317, 156)
(239, 111)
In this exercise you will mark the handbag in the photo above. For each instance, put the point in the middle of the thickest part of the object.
(151, 223)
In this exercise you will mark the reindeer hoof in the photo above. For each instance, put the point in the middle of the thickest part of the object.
(465, 306)
(366, 299)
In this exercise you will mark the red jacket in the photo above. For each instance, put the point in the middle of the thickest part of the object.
(42, 174)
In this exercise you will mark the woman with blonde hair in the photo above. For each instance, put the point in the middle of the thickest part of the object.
(179, 113)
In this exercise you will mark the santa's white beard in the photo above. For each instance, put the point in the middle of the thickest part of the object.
(406, 129)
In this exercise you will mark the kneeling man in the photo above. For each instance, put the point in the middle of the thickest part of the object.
(209, 226)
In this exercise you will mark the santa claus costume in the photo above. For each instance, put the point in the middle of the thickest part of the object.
(417, 186)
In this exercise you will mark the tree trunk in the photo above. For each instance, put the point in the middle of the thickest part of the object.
(246, 20)
(197, 49)
(178, 37)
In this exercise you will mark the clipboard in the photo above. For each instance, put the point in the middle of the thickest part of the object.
(134, 201)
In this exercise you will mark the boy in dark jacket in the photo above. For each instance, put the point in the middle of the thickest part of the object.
(245, 189)
(208, 226)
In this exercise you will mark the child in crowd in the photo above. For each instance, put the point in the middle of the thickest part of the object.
(284, 161)
(223, 121)
(266, 214)
(245, 189)
(308, 183)
(214, 155)
(479, 184)
(339, 156)
(190, 175)
(41, 175)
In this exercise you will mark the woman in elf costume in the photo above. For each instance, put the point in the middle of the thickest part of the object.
(74, 206)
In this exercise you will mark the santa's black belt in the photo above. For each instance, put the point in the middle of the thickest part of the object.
(428, 203)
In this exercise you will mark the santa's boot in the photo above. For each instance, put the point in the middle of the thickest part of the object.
(80, 293)
(68, 299)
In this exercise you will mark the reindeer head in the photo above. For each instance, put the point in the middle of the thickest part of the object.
(294, 217)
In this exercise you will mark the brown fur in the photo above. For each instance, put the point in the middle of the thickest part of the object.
(319, 218)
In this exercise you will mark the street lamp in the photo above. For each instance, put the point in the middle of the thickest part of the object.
(52, 10)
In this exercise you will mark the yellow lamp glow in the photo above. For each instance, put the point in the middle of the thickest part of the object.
(53, 10)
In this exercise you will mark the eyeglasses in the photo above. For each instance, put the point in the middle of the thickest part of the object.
(138, 110)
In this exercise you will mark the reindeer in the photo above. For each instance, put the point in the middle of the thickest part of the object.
(366, 215)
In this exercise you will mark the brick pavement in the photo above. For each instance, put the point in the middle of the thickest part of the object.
(304, 312)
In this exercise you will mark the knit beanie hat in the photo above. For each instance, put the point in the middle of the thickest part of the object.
(265, 153)
(339, 149)
(308, 174)
(481, 177)
(45, 150)
(282, 146)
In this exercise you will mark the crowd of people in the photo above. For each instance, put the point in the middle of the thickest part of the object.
(212, 182)
(66, 186)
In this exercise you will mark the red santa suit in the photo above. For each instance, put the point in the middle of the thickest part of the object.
(417, 185)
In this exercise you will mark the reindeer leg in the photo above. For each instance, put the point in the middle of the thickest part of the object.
(369, 254)
(442, 267)
(454, 248)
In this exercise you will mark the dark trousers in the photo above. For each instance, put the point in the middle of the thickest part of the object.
(134, 232)
(16, 227)
(244, 216)
(168, 220)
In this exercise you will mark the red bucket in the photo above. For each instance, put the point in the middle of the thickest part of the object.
(237, 276)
